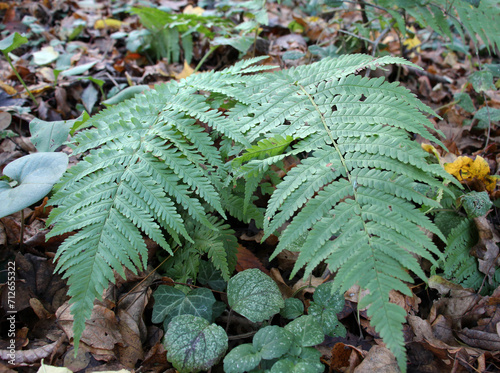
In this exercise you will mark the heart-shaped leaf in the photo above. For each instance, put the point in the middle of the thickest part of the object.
(254, 294)
(35, 174)
(272, 342)
(171, 302)
(193, 344)
(293, 308)
(306, 330)
(11, 42)
(242, 358)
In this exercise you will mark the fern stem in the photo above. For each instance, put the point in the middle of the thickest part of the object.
(330, 135)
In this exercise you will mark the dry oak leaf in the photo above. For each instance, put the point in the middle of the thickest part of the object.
(466, 169)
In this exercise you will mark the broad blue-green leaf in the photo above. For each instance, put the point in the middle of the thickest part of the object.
(241, 43)
(89, 97)
(193, 344)
(11, 42)
(242, 358)
(327, 317)
(126, 94)
(293, 308)
(254, 295)
(171, 302)
(494, 68)
(307, 361)
(306, 330)
(272, 342)
(78, 70)
(35, 174)
(209, 275)
(485, 115)
(48, 136)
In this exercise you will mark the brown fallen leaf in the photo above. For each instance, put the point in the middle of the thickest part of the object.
(480, 339)
(486, 250)
(101, 329)
(379, 359)
(246, 260)
(32, 356)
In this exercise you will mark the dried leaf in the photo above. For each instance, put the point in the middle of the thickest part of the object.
(186, 71)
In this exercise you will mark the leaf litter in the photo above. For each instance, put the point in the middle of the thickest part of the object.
(449, 328)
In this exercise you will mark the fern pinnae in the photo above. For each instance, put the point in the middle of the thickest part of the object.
(385, 164)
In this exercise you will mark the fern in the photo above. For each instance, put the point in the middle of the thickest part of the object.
(480, 21)
(149, 162)
(354, 197)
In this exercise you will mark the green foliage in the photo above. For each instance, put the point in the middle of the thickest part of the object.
(7, 45)
(171, 302)
(149, 162)
(193, 344)
(216, 241)
(32, 178)
(479, 21)
(324, 308)
(152, 169)
(293, 308)
(458, 265)
(254, 295)
(167, 29)
(358, 183)
(280, 349)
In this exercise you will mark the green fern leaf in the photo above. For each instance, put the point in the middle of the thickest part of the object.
(355, 195)
(149, 164)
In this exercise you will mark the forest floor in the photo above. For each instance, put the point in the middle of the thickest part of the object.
(450, 329)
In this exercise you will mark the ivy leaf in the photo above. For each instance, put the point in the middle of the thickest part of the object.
(209, 275)
(171, 302)
(272, 342)
(35, 175)
(193, 344)
(254, 294)
(307, 331)
(242, 358)
(293, 308)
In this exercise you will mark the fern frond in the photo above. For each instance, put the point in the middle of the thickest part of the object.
(149, 164)
(441, 15)
(355, 195)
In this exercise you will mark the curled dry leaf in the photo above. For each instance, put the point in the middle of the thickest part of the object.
(30, 356)
(486, 250)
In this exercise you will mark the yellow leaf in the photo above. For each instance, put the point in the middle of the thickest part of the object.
(412, 42)
(464, 168)
(480, 168)
(186, 71)
(109, 22)
(430, 149)
(190, 10)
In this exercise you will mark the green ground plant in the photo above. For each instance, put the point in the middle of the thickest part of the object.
(151, 164)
